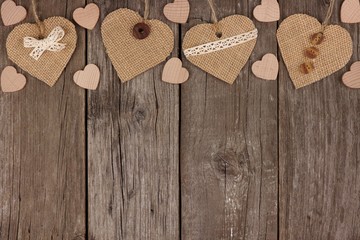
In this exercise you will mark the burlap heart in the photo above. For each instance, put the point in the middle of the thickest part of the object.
(129, 55)
(51, 64)
(294, 37)
(227, 63)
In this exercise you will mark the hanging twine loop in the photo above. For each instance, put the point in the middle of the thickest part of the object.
(213, 11)
(328, 15)
(147, 10)
(214, 18)
(37, 19)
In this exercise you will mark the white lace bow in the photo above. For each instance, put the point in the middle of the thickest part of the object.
(51, 43)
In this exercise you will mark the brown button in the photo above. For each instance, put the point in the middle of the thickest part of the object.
(317, 38)
(312, 52)
(141, 31)
(307, 67)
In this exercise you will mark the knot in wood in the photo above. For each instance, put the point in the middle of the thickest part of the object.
(227, 164)
(140, 115)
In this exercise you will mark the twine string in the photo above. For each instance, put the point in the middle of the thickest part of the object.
(213, 11)
(37, 19)
(147, 9)
(214, 18)
(328, 15)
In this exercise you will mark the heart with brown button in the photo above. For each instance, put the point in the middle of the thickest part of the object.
(44, 57)
(221, 49)
(310, 52)
(135, 45)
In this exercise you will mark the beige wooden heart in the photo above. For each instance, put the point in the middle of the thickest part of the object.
(12, 14)
(88, 78)
(224, 64)
(352, 78)
(267, 68)
(178, 11)
(51, 64)
(174, 72)
(350, 11)
(294, 37)
(11, 81)
(129, 55)
(87, 17)
(268, 11)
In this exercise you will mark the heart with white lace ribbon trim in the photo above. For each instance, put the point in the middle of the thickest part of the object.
(221, 49)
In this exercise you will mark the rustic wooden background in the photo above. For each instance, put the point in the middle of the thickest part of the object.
(205, 160)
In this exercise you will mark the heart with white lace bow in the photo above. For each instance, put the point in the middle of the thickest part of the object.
(43, 57)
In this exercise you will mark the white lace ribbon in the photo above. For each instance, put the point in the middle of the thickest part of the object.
(221, 44)
(51, 43)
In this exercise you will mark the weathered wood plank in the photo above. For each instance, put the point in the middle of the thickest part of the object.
(133, 149)
(319, 149)
(42, 146)
(229, 152)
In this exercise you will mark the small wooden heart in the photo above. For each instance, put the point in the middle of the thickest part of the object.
(352, 78)
(268, 11)
(350, 11)
(174, 72)
(88, 78)
(178, 11)
(87, 17)
(267, 68)
(12, 14)
(11, 81)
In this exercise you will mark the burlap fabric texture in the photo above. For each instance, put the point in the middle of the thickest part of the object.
(51, 64)
(225, 64)
(294, 37)
(131, 56)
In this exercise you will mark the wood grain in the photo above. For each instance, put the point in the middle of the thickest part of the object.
(253, 161)
(229, 146)
(133, 137)
(42, 146)
(319, 150)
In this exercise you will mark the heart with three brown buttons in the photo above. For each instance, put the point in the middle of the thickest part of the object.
(49, 66)
(223, 48)
(333, 53)
(134, 44)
